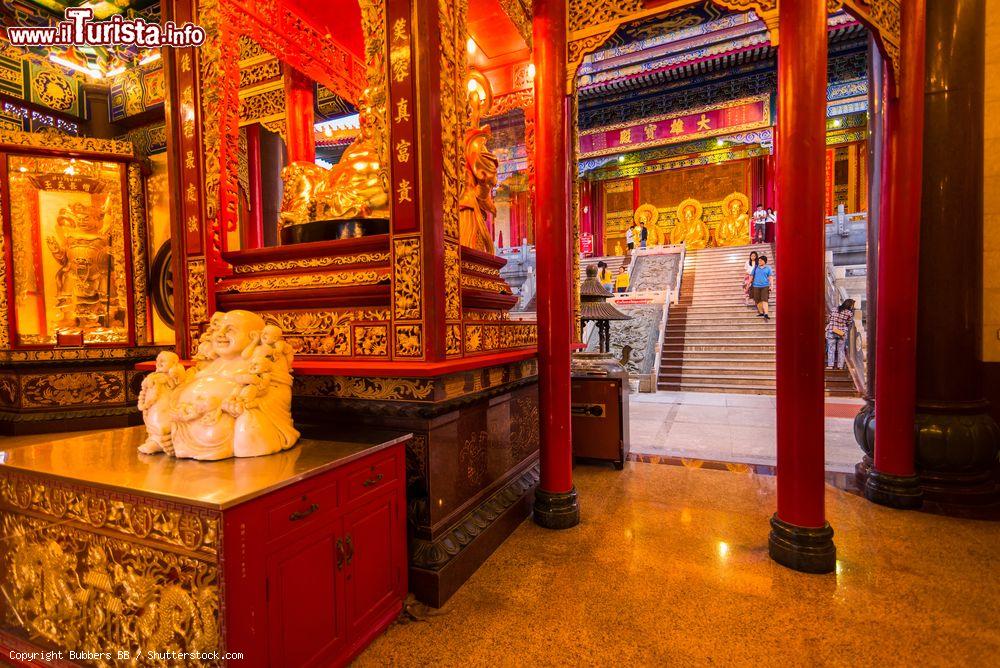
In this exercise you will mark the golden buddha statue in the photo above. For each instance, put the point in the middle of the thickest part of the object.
(356, 187)
(481, 166)
(690, 229)
(735, 227)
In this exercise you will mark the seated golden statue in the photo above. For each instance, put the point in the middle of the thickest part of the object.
(690, 229)
(356, 187)
(735, 227)
(481, 165)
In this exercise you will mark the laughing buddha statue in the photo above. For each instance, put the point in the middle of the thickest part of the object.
(235, 401)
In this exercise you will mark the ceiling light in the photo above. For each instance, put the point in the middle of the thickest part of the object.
(837, 122)
(151, 58)
(470, 46)
(115, 72)
(720, 142)
(531, 70)
(73, 66)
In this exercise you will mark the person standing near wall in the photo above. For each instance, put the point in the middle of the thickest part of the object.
(838, 326)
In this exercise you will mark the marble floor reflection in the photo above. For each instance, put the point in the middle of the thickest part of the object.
(730, 428)
(669, 566)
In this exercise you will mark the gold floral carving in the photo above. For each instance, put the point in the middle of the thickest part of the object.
(407, 279)
(322, 332)
(585, 14)
(473, 267)
(497, 285)
(312, 263)
(453, 340)
(373, 28)
(71, 588)
(72, 389)
(481, 337)
(519, 13)
(64, 142)
(168, 525)
(371, 340)
(137, 221)
(197, 292)
(89, 353)
(4, 313)
(884, 16)
(452, 282)
(376, 389)
(259, 72)
(453, 66)
(266, 104)
(408, 340)
(321, 280)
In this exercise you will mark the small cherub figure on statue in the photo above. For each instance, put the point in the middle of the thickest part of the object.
(154, 401)
(273, 345)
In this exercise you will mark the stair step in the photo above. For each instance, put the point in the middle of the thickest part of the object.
(698, 371)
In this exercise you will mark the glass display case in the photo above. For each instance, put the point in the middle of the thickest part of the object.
(70, 256)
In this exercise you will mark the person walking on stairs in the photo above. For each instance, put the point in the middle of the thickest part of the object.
(838, 325)
(748, 276)
(761, 281)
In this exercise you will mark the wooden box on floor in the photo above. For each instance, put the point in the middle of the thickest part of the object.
(600, 418)
(293, 559)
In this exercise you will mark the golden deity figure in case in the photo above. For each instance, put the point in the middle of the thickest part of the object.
(481, 166)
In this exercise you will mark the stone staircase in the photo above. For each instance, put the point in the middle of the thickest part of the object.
(713, 341)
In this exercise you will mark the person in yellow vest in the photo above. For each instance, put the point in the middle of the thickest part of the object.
(621, 280)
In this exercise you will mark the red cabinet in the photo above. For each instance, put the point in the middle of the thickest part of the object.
(316, 570)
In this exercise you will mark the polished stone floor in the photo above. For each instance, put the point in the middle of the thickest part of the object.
(730, 428)
(669, 567)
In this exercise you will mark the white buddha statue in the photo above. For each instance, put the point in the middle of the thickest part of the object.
(237, 402)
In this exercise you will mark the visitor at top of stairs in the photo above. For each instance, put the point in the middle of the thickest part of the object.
(759, 224)
(750, 266)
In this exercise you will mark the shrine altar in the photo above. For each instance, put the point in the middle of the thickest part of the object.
(287, 559)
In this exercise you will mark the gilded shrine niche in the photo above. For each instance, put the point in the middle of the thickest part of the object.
(69, 250)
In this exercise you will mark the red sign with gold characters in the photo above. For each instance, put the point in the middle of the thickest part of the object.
(751, 113)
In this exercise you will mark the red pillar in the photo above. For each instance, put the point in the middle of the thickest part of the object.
(893, 481)
(800, 536)
(556, 504)
(254, 237)
(300, 115)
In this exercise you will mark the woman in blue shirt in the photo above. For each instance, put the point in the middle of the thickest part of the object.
(760, 286)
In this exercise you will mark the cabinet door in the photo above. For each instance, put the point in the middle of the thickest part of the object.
(306, 600)
(373, 570)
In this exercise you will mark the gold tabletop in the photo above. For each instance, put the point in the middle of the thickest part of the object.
(110, 460)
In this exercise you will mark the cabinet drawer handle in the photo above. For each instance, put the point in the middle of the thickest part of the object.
(374, 480)
(350, 549)
(302, 514)
(340, 555)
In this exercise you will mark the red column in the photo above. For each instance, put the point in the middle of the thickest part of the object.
(300, 115)
(893, 481)
(254, 237)
(555, 499)
(800, 536)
